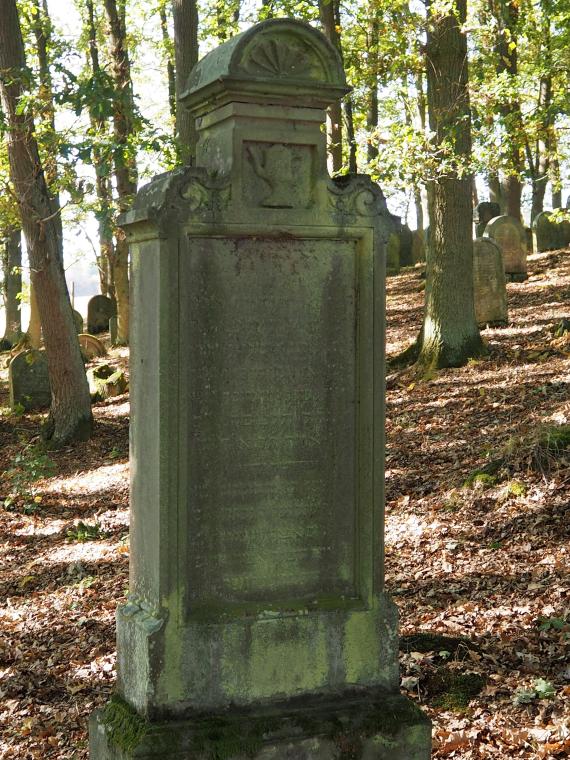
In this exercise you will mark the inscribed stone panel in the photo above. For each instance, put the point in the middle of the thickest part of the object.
(272, 483)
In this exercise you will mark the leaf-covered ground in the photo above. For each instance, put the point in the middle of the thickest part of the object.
(477, 529)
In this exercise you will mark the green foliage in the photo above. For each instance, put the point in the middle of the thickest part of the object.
(541, 689)
(552, 624)
(480, 479)
(30, 465)
(82, 532)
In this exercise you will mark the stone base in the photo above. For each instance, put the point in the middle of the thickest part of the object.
(367, 725)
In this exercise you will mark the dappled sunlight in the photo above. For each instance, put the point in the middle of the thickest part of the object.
(92, 481)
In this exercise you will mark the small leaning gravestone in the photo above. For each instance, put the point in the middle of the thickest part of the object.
(99, 310)
(489, 283)
(28, 381)
(482, 215)
(257, 624)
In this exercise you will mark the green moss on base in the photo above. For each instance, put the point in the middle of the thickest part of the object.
(454, 690)
(125, 726)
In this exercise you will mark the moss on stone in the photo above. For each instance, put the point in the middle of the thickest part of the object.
(480, 479)
(453, 690)
(430, 641)
(125, 727)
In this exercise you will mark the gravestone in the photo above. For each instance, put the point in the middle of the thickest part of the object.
(78, 319)
(28, 381)
(393, 254)
(509, 234)
(489, 283)
(91, 346)
(256, 587)
(546, 232)
(406, 243)
(113, 330)
(482, 215)
(418, 246)
(99, 310)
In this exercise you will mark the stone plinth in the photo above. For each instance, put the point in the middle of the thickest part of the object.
(257, 436)
(510, 235)
(489, 283)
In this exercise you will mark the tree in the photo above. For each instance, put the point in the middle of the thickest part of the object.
(185, 14)
(12, 286)
(70, 415)
(449, 335)
(329, 16)
(125, 127)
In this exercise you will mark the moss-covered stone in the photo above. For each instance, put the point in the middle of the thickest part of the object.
(106, 381)
(125, 727)
(451, 689)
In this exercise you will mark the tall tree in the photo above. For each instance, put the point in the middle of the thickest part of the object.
(329, 16)
(185, 14)
(125, 127)
(449, 335)
(12, 286)
(70, 412)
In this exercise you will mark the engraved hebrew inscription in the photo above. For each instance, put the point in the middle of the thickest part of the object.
(272, 419)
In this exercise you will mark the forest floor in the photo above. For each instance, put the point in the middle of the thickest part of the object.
(476, 561)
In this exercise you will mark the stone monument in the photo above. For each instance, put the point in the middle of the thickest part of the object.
(99, 310)
(550, 232)
(78, 319)
(257, 625)
(406, 242)
(489, 283)
(482, 215)
(510, 235)
(28, 381)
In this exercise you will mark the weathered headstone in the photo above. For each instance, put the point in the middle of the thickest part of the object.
(28, 381)
(78, 319)
(509, 234)
(489, 283)
(393, 254)
(99, 310)
(406, 243)
(91, 346)
(482, 215)
(546, 233)
(256, 586)
(418, 246)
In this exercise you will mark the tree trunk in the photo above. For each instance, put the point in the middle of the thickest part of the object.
(351, 138)
(169, 62)
(12, 286)
(125, 165)
(42, 27)
(506, 13)
(102, 166)
(70, 413)
(328, 12)
(372, 87)
(450, 335)
(496, 190)
(34, 331)
(185, 13)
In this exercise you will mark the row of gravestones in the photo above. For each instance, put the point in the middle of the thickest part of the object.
(550, 230)
(28, 377)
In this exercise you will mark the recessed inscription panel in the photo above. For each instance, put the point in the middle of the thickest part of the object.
(268, 347)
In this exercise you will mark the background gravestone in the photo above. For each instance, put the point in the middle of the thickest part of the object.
(393, 254)
(482, 215)
(29, 381)
(546, 232)
(99, 310)
(406, 243)
(490, 288)
(418, 246)
(257, 390)
(90, 346)
(510, 235)
(78, 319)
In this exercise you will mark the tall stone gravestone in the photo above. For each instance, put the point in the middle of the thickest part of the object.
(489, 283)
(257, 624)
(546, 233)
(28, 381)
(482, 215)
(510, 235)
(99, 310)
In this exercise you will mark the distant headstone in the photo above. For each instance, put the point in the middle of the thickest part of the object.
(482, 215)
(78, 319)
(393, 254)
(91, 346)
(529, 240)
(406, 245)
(29, 381)
(257, 623)
(418, 246)
(509, 234)
(99, 310)
(113, 330)
(489, 282)
(546, 232)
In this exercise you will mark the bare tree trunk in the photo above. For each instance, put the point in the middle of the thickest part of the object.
(328, 12)
(495, 190)
(12, 286)
(102, 165)
(350, 136)
(70, 413)
(372, 95)
(125, 165)
(450, 335)
(169, 62)
(34, 331)
(185, 14)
